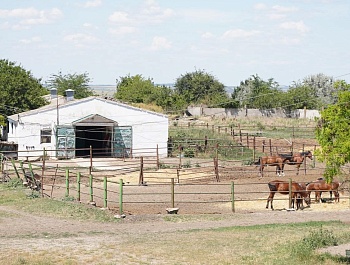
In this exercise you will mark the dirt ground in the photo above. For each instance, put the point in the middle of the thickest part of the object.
(143, 219)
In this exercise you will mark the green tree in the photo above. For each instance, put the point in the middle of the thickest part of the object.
(135, 89)
(333, 133)
(77, 82)
(19, 90)
(200, 87)
(298, 97)
(257, 93)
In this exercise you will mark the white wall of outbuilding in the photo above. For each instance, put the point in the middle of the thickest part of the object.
(149, 129)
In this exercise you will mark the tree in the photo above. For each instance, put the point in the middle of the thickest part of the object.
(333, 133)
(135, 89)
(322, 87)
(257, 93)
(298, 97)
(200, 87)
(77, 82)
(19, 90)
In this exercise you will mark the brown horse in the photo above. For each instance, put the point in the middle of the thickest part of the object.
(270, 161)
(298, 193)
(321, 185)
(295, 159)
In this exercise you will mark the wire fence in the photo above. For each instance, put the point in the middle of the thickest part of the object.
(149, 186)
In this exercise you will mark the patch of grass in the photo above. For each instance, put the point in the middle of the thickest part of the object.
(44, 206)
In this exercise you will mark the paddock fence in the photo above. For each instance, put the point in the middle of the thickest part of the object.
(149, 186)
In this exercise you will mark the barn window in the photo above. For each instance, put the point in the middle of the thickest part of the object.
(45, 136)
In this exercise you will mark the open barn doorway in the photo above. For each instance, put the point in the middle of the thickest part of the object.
(98, 137)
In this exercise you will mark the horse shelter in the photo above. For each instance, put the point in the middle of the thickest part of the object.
(70, 128)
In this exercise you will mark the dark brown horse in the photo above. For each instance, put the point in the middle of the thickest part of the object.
(270, 161)
(321, 185)
(298, 193)
(295, 159)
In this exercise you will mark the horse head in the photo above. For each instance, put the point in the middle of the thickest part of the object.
(307, 154)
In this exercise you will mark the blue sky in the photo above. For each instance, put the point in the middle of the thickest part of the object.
(286, 40)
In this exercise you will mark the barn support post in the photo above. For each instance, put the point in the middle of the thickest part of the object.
(78, 186)
(91, 188)
(67, 182)
(15, 168)
(233, 196)
(120, 196)
(141, 182)
(290, 193)
(172, 191)
(105, 192)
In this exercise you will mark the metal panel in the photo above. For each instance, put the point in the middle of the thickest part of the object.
(65, 142)
(122, 141)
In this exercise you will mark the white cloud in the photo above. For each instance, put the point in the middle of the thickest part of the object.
(160, 43)
(119, 17)
(80, 39)
(31, 16)
(299, 26)
(239, 33)
(260, 6)
(123, 30)
(153, 12)
(93, 3)
(207, 35)
(31, 40)
(283, 9)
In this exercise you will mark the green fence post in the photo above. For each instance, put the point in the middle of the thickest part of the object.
(120, 196)
(105, 192)
(233, 196)
(15, 168)
(78, 186)
(172, 193)
(91, 189)
(67, 182)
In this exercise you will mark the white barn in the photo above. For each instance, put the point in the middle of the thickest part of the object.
(67, 128)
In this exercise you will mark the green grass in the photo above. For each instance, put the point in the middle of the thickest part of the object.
(23, 199)
(278, 244)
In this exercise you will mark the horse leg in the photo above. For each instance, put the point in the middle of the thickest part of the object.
(317, 196)
(270, 199)
(336, 196)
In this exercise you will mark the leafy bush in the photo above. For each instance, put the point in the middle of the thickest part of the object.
(316, 239)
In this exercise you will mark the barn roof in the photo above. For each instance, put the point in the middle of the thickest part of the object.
(53, 105)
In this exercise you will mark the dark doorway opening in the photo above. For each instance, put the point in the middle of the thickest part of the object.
(98, 137)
